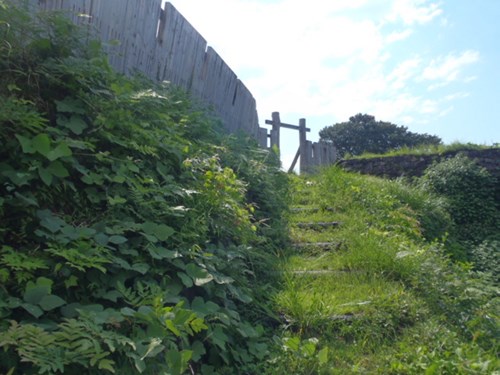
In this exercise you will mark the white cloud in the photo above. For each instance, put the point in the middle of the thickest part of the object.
(449, 67)
(398, 36)
(331, 59)
(414, 11)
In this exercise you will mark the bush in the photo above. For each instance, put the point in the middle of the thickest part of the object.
(470, 191)
(127, 242)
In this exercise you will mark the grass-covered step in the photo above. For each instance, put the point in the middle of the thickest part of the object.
(319, 225)
(335, 245)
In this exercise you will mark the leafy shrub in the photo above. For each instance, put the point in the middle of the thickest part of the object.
(486, 257)
(127, 242)
(470, 191)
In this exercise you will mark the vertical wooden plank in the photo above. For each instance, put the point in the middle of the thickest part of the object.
(275, 116)
(263, 137)
(302, 144)
(307, 157)
(317, 157)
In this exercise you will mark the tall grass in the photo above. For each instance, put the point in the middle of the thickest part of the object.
(426, 150)
(388, 282)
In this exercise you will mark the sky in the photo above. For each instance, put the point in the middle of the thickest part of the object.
(430, 65)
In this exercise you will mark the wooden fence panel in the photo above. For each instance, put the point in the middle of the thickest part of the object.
(164, 46)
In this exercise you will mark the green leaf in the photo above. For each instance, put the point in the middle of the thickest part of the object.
(162, 253)
(60, 151)
(219, 338)
(160, 231)
(106, 364)
(186, 280)
(117, 240)
(198, 350)
(32, 309)
(76, 124)
(57, 169)
(41, 144)
(116, 200)
(170, 325)
(70, 105)
(45, 175)
(163, 232)
(51, 302)
(178, 361)
(323, 356)
(26, 144)
(140, 267)
(35, 292)
(51, 222)
(292, 343)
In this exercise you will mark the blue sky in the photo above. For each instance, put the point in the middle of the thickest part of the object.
(433, 66)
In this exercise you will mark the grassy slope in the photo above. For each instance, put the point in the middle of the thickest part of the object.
(368, 304)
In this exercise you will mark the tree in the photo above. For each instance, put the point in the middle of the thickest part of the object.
(363, 134)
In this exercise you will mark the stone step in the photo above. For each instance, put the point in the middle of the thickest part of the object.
(311, 209)
(321, 245)
(319, 225)
(325, 272)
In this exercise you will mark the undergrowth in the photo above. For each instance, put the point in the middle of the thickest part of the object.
(133, 236)
(388, 299)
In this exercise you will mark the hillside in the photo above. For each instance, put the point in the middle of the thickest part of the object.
(137, 237)
(368, 290)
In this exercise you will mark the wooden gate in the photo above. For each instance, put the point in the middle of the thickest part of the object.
(311, 154)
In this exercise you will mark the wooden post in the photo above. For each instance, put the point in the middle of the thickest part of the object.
(275, 132)
(263, 137)
(302, 144)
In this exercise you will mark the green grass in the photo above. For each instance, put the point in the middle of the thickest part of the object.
(384, 300)
(427, 150)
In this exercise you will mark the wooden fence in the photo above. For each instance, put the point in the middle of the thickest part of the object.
(311, 154)
(162, 44)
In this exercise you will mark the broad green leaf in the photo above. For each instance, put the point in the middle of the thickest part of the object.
(60, 151)
(35, 292)
(163, 232)
(51, 302)
(101, 239)
(198, 350)
(219, 338)
(76, 124)
(292, 343)
(162, 253)
(160, 231)
(26, 144)
(323, 356)
(127, 311)
(186, 280)
(57, 169)
(171, 326)
(70, 105)
(117, 240)
(51, 222)
(308, 349)
(139, 364)
(41, 144)
(45, 175)
(141, 267)
(32, 309)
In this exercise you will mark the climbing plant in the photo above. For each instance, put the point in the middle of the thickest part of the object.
(127, 242)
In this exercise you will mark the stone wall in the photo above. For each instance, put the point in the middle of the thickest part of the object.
(415, 165)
